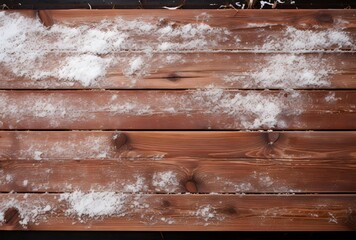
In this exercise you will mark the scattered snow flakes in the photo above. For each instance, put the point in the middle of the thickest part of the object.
(94, 205)
(138, 186)
(30, 211)
(165, 181)
(86, 52)
(209, 214)
(37, 155)
(305, 40)
(330, 98)
(332, 218)
(287, 71)
(250, 109)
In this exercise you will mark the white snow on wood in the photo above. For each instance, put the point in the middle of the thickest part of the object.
(305, 40)
(287, 71)
(87, 51)
(30, 211)
(165, 181)
(94, 204)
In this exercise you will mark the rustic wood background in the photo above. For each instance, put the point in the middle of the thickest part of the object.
(311, 158)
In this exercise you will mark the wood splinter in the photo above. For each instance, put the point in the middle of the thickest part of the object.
(45, 18)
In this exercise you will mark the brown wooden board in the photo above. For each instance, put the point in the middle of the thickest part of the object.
(159, 145)
(245, 24)
(201, 109)
(200, 70)
(186, 212)
(175, 176)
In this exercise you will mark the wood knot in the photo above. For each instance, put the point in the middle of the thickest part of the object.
(173, 77)
(45, 18)
(12, 217)
(191, 186)
(324, 18)
(229, 211)
(166, 204)
(272, 137)
(120, 140)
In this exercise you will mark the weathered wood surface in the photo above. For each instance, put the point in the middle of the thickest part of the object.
(251, 23)
(177, 110)
(185, 212)
(198, 70)
(271, 180)
(136, 145)
(172, 175)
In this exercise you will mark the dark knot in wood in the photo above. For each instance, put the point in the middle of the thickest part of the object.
(173, 77)
(12, 217)
(191, 186)
(272, 137)
(120, 140)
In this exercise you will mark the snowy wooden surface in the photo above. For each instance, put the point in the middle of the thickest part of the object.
(99, 112)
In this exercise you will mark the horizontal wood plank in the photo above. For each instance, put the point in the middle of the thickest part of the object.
(183, 212)
(180, 175)
(201, 109)
(136, 145)
(251, 23)
(199, 70)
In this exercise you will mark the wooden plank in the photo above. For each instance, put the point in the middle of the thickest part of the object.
(199, 70)
(200, 109)
(184, 212)
(180, 175)
(251, 23)
(82, 145)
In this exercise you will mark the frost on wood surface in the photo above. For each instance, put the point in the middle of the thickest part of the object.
(287, 71)
(88, 50)
(246, 110)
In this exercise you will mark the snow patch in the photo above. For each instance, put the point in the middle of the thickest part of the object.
(165, 181)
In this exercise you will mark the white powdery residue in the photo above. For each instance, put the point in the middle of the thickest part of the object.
(303, 40)
(135, 65)
(287, 71)
(138, 186)
(252, 110)
(332, 218)
(94, 205)
(30, 211)
(37, 155)
(86, 51)
(85, 68)
(208, 213)
(8, 178)
(165, 181)
(25, 183)
(331, 98)
(243, 187)
(132, 108)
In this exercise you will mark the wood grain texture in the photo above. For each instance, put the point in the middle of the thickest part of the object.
(251, 23)
(195, 70)
(83, 145)
(171, 176)
(176, 110)
(228, 212)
